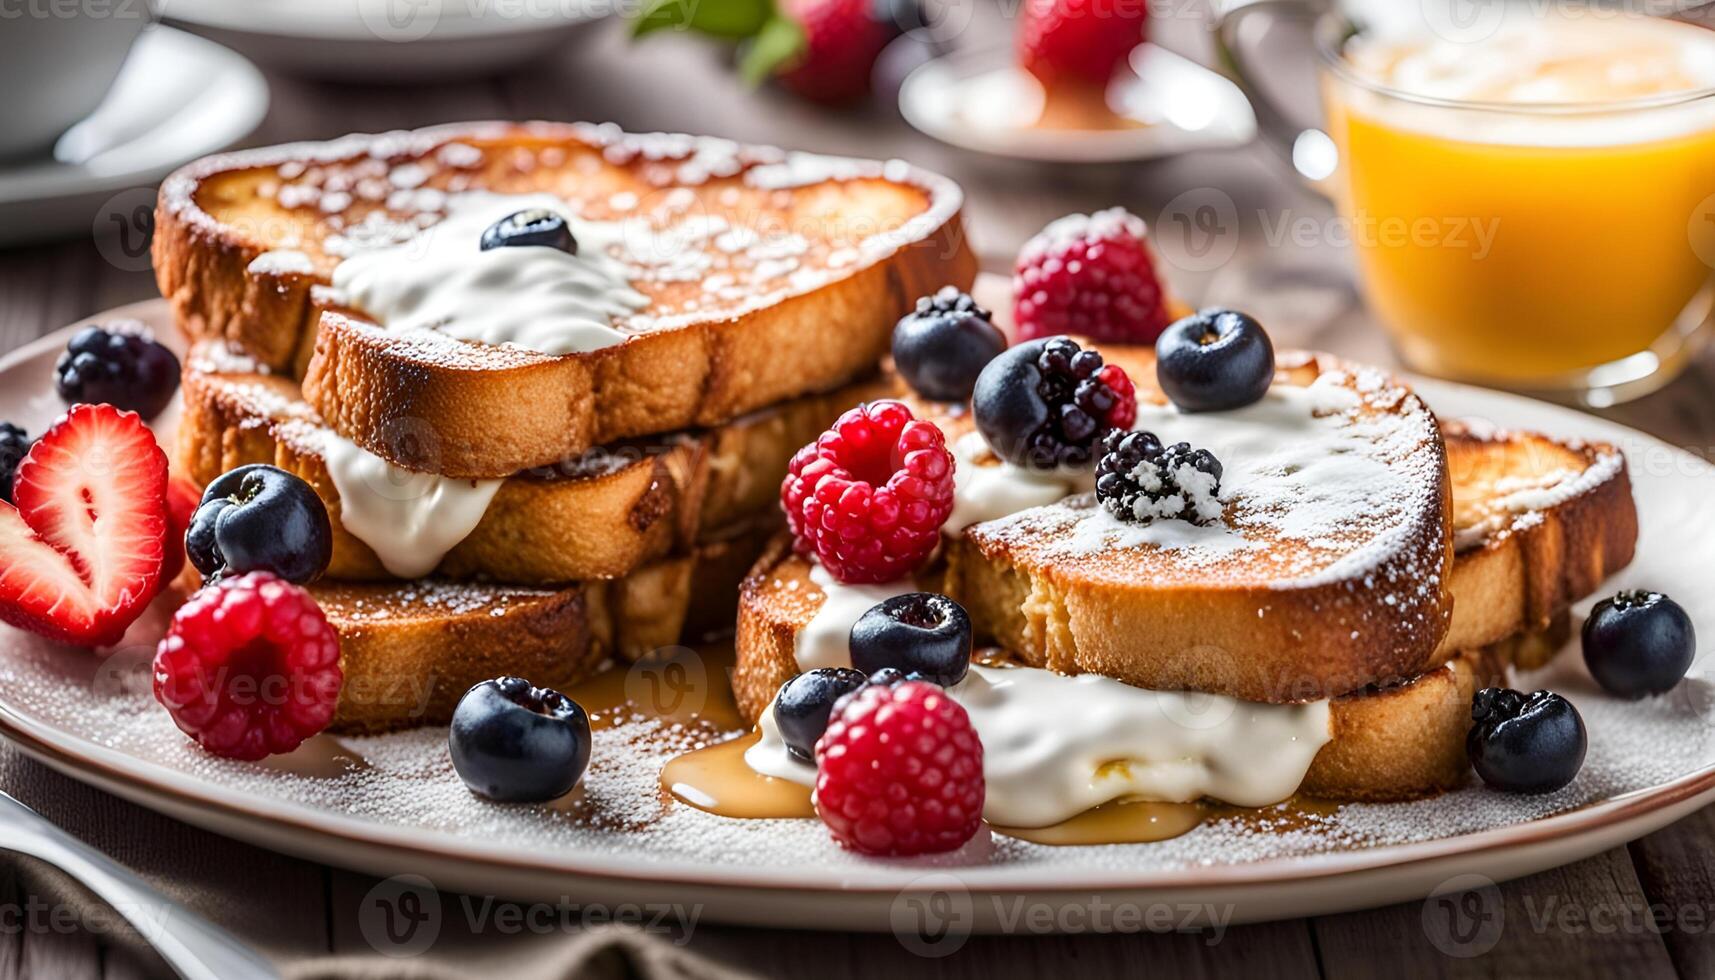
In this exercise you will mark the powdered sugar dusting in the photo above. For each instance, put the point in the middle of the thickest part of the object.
(1320, 483)
(405, 782)
(360, 604)
(352, 195)
(1115, 222)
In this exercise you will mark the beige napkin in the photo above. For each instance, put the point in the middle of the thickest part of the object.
(606, 952)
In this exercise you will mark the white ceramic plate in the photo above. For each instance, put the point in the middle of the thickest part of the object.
(388, 40)
(977, 100)
(391, 804)
(179, 97)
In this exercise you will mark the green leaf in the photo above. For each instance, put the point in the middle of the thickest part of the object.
(775, 44)
(731, 19)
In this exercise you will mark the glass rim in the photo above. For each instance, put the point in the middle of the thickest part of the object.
(1334, 29)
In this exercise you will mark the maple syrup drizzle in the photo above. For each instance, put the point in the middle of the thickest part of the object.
(692, 690)
(717, 780)
(1119, 822)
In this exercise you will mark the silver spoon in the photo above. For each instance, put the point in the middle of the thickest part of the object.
(195, 947)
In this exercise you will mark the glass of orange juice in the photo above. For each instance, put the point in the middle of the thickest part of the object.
(1529, 190)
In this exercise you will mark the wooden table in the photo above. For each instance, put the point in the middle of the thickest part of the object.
(1644, 910)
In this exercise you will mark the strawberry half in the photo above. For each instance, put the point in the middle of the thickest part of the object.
(81, 554)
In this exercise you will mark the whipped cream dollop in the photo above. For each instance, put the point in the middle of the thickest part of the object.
(533, 297)
(410, 519)
(986, 490)
(1057, 745)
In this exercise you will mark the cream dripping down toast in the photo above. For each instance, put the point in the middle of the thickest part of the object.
(599, 515)
(709, 280)
(1372, 723)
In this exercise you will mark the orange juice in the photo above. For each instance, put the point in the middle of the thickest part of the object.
(1533, 204)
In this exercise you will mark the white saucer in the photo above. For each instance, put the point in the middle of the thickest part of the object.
(387, 40)
(979, 100)
(179, 97)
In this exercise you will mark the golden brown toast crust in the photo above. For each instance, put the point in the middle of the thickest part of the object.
(1259, 637)
(491, 414)
(601, 518)
(1404, 741)
(411, 649)
(1540, 524)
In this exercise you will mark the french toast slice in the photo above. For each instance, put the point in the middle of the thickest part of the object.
(1328, 571)
(1539, 523)
(410, 650)
(599, 516)
(763, 275)
(1389, 742)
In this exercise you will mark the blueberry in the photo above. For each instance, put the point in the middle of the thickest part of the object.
(1214, 360)
(515, 743)
(1638, 643)
(940, 347)
(532, 226)
(260, 518)
(120, 365)
(14, 446)
(916, 633)
(1525, 743)
(806, 702)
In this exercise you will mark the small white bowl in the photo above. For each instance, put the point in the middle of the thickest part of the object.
(981, 101)
(388, 40)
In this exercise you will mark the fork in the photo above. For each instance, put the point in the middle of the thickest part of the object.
(193, 946)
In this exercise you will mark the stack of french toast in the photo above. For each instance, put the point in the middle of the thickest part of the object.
(592, 472)
(538, 459)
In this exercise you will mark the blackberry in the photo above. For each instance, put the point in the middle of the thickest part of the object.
(14, 445)
(120, 364)
(1139, 480)
(1047, 403)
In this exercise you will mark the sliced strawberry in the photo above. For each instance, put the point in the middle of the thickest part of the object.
(182, 500)
(82, 552)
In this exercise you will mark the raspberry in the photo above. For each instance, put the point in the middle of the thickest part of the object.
(1124, 412)
(1093, 276)
(1140, 481)
(900, 771)
(869, 496)
(249, 667)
